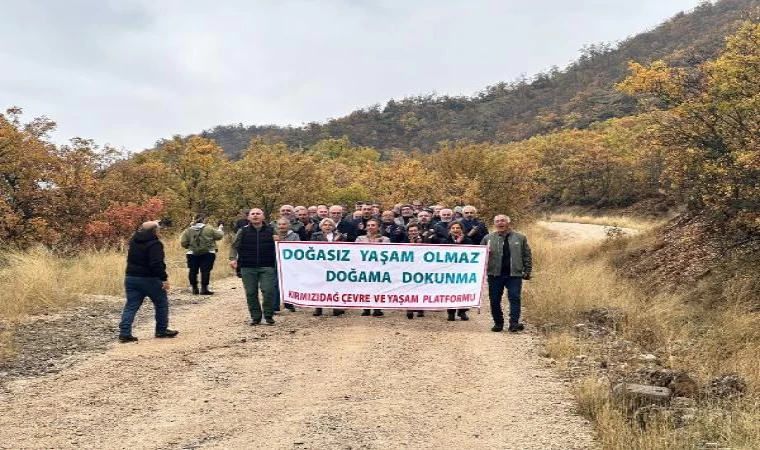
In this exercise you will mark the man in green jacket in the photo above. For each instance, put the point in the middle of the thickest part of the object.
(509, 263)
(200, 241)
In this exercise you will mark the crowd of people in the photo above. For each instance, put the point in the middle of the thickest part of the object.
(252, 255)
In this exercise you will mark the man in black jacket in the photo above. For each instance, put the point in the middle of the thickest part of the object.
(427, 230)
(390, 229)
(253, 252)
(343, 225)
(146, 277)
(475, 229)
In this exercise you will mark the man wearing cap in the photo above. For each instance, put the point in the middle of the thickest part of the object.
(146, 277)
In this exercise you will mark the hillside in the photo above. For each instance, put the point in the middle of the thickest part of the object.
(574, 97)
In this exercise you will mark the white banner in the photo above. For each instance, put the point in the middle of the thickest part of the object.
(382, 276)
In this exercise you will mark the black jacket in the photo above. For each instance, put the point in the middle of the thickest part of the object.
(348, 228)
(428, 233)
(393, 231)
(145, 257)
(449, 240)
(254, 247)
(481, 229)
(441, 230)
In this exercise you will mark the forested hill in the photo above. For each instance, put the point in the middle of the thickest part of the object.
(573, 97)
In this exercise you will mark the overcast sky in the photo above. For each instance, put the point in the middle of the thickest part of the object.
(129, 72)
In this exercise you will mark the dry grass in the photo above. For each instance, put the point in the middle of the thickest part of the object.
(38, 279)
(569, 281)
(611, 221)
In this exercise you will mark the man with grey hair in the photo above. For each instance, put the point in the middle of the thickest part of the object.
(474, 229)
(510, 261)
(289, 212)
(323, 212)
(343, 225)
(146, 277)
(446, 215)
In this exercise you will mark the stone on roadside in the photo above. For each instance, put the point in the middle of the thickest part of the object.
(726, 387)
(658, 377)
(683, 385)
(605, 317)
(635, 396)
(682, 402)
(650, 415)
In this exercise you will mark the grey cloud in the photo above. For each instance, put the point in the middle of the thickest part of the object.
(130, 72)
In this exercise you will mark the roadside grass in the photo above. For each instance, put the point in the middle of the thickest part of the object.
(610, 221)
(40, 280)
(571, 280)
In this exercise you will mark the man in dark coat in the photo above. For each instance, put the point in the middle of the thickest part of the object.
(475, 229)
(343, 225)
(390, 229)
(253, 251)
(146, 277)
(427, 230)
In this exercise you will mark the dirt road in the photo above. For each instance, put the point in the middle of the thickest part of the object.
(571, 233)
(346, 382)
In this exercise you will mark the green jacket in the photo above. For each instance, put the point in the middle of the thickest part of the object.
(200, 238)
(520, 256)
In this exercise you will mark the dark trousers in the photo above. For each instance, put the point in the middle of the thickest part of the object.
(137, 288)
(255, 278)
(496, 287)
(200, 263)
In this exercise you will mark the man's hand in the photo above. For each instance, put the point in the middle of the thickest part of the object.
(165, 285)
(526, 276)
(233, 264)
(276, 237)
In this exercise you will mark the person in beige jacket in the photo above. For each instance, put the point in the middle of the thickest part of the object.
(200, 241)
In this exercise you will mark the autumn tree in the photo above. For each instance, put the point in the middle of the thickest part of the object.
(710, 128)
(269, 174)
(193, 164)
(27, 166)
